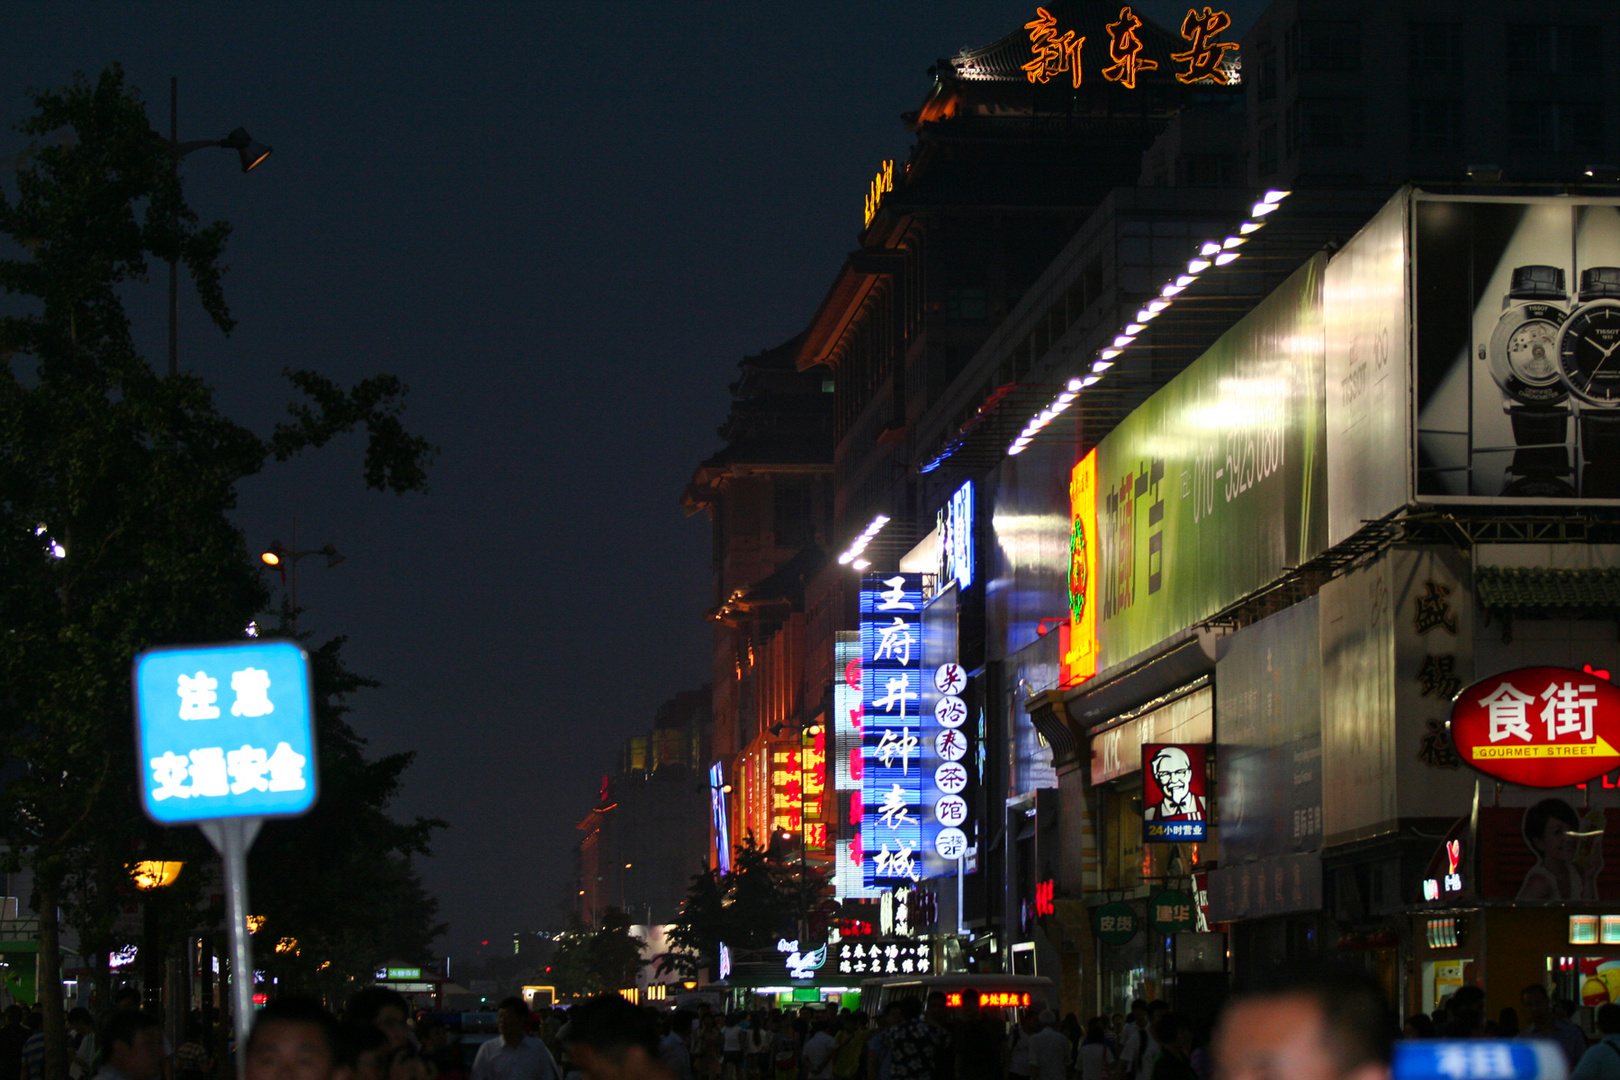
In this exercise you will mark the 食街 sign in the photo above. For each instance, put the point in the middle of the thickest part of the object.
(1116, 924)
(225, 731)
(1539, 726)
(1175, 801)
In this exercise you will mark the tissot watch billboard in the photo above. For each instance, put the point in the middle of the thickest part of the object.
(1517, 316)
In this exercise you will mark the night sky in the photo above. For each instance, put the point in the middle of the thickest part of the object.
(562, 225)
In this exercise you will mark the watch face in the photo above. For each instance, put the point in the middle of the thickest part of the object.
(1524, 353)
(1589, 353)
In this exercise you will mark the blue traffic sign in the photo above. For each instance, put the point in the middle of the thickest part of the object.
(225, 731)
(1479, 1059)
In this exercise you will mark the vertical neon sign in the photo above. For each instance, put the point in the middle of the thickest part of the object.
(891, 696)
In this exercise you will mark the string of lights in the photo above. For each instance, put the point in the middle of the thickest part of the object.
(1211, 253)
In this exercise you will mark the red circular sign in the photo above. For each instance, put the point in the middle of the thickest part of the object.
(1539, 726)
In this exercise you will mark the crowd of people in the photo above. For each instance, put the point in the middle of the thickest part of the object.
(1462, 1015)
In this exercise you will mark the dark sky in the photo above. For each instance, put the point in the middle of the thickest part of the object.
(562, 225)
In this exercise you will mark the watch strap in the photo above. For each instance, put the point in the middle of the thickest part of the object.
(1600, 454)
(1600, 283)
(1541, 434)
(1537, 282)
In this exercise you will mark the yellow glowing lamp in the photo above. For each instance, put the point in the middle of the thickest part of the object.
(255, 923)
(287, 945)
(271, 558)
(151, 874)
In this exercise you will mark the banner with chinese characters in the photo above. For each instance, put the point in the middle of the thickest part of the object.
(846, 720)
(813, 787)
(876, 956)
(1542, 727)
(1130, 50)
(947, 741)
(1214, 487)
(786, 787)
(1175, 793)
(891, 680)
(225, 731)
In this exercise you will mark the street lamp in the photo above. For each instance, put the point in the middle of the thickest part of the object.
(280, 556)
(250, 153)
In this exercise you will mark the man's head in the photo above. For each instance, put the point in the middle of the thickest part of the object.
(1174, 1032)
(362, 1050)
(293, 1038)
(135, 1044)
(512, 1020)
(383, 1007)
(1139, 1011)
(936, 1008)
(80, 1020)
(1608, 1019)
(1537, 1005)
(127, 999)
(1316, 1022)
(611, 1039)
(1172, 770)
(893, 1013)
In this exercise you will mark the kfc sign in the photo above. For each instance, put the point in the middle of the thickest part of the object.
(1539, 726)
(1175, 795)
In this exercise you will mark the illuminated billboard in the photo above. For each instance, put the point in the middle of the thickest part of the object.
(892, 790)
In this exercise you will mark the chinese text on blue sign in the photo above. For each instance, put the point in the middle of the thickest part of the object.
(891, 691)
(225, 731)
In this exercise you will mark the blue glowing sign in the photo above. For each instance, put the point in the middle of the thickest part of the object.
(225, 731)
(956, 538)
(722, 829)
(891, 698)
(1478, 1059)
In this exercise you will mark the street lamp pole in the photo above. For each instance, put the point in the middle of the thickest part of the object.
(251, 153)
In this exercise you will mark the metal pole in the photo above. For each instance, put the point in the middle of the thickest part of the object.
(174, 264)
(232, 837)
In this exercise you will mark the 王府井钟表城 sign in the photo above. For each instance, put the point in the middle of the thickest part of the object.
(224, 731)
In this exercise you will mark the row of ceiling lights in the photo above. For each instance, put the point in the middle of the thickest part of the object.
(1211, 254)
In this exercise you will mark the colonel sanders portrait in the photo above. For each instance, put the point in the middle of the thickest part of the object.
(1172, 771)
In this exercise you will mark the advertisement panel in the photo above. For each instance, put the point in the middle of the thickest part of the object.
(1368, 335)
(1268, 692)
(891, 608)
(1117, 749)
(1517, 313)
(946, 743)
(1539, 726)
(1175, 793)
(1214, 486)
(847, 711)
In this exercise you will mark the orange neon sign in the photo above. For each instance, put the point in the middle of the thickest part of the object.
(881, 185)
(989, 999)
(1124, 49)
(1053, 54)
(1204, 54)
(1080, 652)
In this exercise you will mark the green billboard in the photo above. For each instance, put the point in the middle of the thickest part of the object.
(1215, 486)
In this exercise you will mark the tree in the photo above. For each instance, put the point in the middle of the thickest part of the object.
(591, 960)
(763, 898)
(115, 490)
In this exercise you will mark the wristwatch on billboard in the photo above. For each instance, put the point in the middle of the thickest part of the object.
(1524, 363)
(1588, 364)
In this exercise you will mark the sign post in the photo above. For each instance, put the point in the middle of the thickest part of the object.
(226, 759)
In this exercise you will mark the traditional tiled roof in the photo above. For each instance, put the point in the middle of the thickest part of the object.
(1504, 587)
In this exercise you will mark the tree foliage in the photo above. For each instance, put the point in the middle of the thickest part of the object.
(116, 486)
(592, 960)
(764, 897)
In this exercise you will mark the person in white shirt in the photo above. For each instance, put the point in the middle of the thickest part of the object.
(1093, 1060)
(515, 1055)
(1049, 1050)
(819, 1050)
(733, 1045)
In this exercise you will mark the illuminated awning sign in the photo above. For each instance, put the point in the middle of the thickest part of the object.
(1202, 61)
(881, 185)
(1539, 726)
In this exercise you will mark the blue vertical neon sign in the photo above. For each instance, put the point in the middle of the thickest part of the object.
(891, 696)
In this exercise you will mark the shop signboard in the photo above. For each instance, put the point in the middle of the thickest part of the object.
(946, 743)
(846, 743)
(956, 545)
(1268, 693)
(1171, 912)
(1215, 485)
(1266, 887)
(1175, 793)
(1117, 924)
(891, 607)
(1479, 1059)
(1116, 750)
(1541, 727)
(1516, 311)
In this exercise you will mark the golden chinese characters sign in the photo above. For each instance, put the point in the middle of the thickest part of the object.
(1052, 53)
(881, 185)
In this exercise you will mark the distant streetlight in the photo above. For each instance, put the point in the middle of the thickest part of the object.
(149, 874)
(249, 152)
(282, 557)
